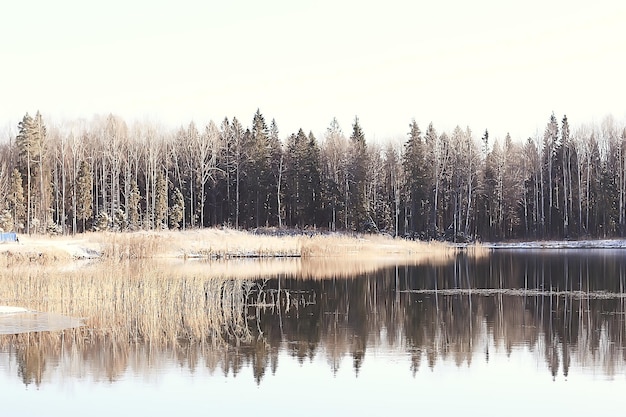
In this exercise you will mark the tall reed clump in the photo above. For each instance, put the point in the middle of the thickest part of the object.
(135, 304)
(124, 246)
(372, 245)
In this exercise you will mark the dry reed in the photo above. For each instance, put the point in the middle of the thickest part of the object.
(210, 244)
(133, 304)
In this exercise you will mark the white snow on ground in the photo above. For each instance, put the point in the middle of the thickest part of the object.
(12, 310)
(76, 248)
(561, 244)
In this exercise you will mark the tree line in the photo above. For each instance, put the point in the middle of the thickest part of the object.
(105, 174)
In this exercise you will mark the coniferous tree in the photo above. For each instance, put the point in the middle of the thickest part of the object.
(312, 166)
(277, 168)
(551, 148)
(84, 197)
(393, 186)
(132, 208)
(26, 154)
(358, 211)
(177, 212)
(296, 179)
(161, 202)
(334, 155)
(258, 173)
(568, 153)
(438, 158)
(415, 172)
(621, 178)
(16, 200)
(42, 173)
(237, 156)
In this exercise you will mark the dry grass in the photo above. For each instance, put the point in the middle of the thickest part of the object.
(133, 304)
(227, 243)
(163, 300)
(209, 244)
(20, 255)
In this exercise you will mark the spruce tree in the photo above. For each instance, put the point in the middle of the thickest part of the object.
(16, 200)
(414, 165)
(358, 210)
(312, 166)
(132, 207)
(295, 179)
(160, 209)
(277, 167)
(177, 212)
(259, 175)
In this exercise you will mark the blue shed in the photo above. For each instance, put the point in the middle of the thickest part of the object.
(8, 237)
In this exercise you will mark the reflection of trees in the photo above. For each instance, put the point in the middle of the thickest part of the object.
(574, 314)
(566, 309)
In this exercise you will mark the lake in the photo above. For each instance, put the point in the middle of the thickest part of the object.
(516, 333)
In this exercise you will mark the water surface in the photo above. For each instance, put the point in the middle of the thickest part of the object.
(517, 333)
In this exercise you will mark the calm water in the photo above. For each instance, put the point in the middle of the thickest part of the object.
(518, 333)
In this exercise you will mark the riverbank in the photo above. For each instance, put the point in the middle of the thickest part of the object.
(208, 244)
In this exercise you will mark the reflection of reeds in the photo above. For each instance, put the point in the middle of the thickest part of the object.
(306, 268)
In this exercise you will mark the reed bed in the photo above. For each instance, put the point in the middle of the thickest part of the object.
(212, 243)
(200, 243)
(229, 244)
(12, 255)
(134, 304)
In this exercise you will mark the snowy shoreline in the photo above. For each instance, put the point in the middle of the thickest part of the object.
(559, 244)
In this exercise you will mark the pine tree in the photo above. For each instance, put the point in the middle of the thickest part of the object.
(32, 164)
(27, 151)
(42, 174)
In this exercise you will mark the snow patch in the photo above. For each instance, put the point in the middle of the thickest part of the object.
(561, 244)
(12, 310)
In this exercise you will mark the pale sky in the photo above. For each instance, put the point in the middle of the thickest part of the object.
(501, 65)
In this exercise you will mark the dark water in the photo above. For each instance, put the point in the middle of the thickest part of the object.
(517, 333)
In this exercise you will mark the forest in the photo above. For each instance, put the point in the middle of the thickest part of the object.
(106, 174)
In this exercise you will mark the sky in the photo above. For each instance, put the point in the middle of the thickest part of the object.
(498, 65)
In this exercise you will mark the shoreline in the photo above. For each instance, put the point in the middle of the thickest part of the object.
(209, 244)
